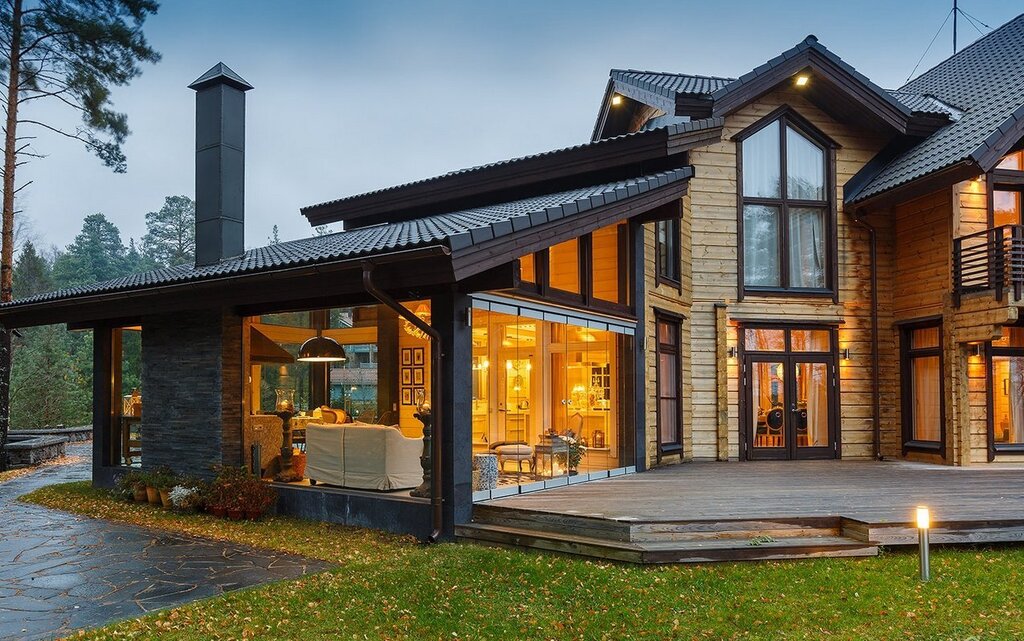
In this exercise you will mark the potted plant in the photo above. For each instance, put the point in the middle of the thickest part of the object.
(152, 492)
(132, 486)
(165, 484)
(256, 497)
(573, 454)
(159, 479)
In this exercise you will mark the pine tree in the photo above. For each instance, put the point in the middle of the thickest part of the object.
(67, 53)
(171, 233)
(32, 273)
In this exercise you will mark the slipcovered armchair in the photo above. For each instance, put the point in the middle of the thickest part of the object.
(363, 456)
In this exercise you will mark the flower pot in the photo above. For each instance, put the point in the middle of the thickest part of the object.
(165, 498)
(299, 464)
(235, 515)
(218, 511)
(139, 494)
(153, 495)
(252, 515)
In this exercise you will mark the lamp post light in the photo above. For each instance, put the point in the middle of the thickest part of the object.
(923, 524)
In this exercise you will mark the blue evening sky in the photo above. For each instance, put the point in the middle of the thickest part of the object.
(352, 96)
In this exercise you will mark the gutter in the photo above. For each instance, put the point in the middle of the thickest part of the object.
(876, 405)
(437, 514)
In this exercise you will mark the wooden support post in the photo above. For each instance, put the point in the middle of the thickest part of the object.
(722, 380)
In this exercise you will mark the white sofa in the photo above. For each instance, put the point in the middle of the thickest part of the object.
(363, 456)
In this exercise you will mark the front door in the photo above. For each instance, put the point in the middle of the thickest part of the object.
(789, 393)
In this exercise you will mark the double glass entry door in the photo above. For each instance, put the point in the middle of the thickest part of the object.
(789, 386)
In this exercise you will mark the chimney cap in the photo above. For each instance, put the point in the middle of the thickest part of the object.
(220, 73)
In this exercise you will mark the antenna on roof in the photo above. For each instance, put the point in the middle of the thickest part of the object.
(956, 12)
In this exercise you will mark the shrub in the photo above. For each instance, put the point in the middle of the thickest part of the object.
(162, 478)
(124, 486)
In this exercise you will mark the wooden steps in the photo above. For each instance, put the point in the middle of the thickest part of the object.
(637, 541)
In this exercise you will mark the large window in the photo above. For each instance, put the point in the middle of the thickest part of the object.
(591, 270)
(1006, 194)
(923, 406)
(667, 250)
(785, 207)
(1006, 391)
(669, 410)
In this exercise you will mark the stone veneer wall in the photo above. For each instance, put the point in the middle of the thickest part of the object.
(192, 391)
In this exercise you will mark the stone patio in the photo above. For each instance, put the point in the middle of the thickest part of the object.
(60, 572)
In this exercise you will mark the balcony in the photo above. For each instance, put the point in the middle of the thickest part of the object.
(990, 260)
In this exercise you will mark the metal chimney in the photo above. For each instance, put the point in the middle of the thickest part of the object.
(220, 164)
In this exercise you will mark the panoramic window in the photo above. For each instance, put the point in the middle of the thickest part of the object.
(1006, 392)
(352, 380)
(786, 219)
(667, 249)
(922, 387)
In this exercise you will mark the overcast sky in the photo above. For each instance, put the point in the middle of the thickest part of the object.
(352, 96)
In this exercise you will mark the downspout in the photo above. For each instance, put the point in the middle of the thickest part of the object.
(437, 513)
(876, 409)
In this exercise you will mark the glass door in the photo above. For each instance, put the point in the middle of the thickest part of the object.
(789, 394)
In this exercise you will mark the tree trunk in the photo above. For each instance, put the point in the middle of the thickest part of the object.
(7, 232)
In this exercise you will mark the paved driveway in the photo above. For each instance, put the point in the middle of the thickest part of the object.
(60, 572)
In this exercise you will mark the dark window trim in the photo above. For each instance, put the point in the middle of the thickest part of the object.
(585, 299)
(676, 259)
(993, 184)
(993, 447)
(907, 353)
(676, 322)
(786, 115)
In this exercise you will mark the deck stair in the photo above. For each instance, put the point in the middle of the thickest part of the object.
(657, 541)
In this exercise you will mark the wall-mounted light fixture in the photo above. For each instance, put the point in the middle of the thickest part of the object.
(977, 350)
(733, 352)
(616, 100)
(802, 80)
(845, 353)
(923, 525)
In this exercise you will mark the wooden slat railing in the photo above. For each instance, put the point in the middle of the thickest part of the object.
(989, 260)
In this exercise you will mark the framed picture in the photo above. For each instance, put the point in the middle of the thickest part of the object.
(419, 392)
(407, 356)
(417, 355)
(406, 376)
(417, 376)
(406, 396)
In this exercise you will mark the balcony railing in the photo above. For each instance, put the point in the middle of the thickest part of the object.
(990, 260)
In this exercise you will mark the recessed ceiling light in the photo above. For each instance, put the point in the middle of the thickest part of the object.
(802, 80)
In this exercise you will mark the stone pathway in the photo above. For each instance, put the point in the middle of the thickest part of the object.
(60, 572)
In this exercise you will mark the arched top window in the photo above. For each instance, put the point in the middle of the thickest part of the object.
(786, 196)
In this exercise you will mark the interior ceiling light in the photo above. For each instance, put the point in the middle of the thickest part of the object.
(321, 349)
(423, 313)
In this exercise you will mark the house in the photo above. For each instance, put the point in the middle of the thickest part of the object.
(792, 264)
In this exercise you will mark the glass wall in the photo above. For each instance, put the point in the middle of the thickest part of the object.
(550, 397)
(355, 418)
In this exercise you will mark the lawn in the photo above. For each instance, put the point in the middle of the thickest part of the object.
(388, 587)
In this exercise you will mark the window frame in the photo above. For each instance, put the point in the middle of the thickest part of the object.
(542, 289)
(1011, 180)
(676, 322)
(788, 117)
(907, 354)
(994, 448)
(676, 257)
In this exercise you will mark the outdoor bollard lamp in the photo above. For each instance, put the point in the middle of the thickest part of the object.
(923, 523)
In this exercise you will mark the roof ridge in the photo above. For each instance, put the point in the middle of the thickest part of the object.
(670, 73)
(962, 51)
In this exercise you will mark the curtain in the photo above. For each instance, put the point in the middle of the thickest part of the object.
(761, 163)
(927, 401)
(807, 247)
(817, 403)
(805, 168)
(761, 246)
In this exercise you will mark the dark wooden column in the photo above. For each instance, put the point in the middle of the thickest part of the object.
(639, 300)
(449, 313)
(106, 389)
(387, 361)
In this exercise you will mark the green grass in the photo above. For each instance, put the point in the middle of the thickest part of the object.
(388, 587)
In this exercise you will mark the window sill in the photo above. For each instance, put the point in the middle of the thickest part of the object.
(794, 293)
(670, 448)
(660, 280)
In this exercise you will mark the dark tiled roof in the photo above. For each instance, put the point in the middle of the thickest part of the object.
(671, 129)
(454, 230)
(669, 84)
(926, 104)
(985, 81)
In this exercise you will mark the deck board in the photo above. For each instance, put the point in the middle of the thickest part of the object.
(872, 492)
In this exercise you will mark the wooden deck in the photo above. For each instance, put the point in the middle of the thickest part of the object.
(765, 510)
